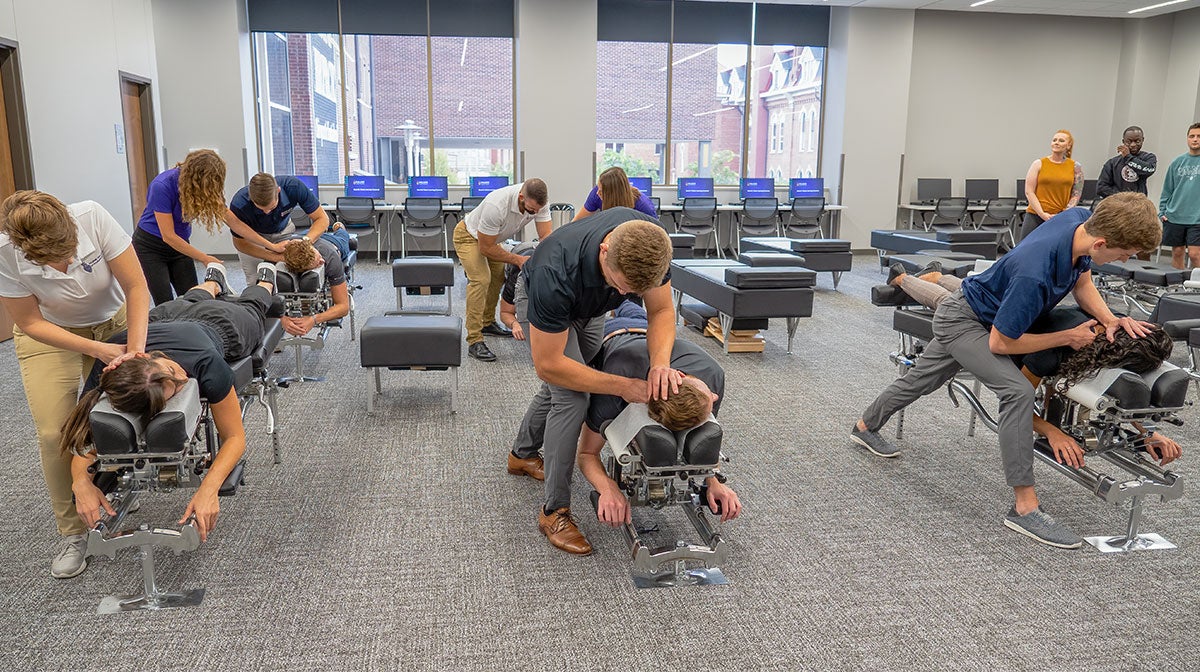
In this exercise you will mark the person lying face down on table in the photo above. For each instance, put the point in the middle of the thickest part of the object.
(624, 353)
(193, 336)
(328, 254)
(930, 287)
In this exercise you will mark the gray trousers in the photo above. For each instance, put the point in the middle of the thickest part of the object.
(960, 341)
(555, 416)
(250, 264)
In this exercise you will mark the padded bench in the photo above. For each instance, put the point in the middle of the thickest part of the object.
(823, 255)
(683, 245)
(986, 244)
(411, 342)
(422, 276)
(738, 292)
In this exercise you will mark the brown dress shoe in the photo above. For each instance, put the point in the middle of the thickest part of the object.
(559, 527)
(530, 466)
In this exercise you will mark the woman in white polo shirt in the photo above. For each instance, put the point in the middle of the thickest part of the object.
(68, 274)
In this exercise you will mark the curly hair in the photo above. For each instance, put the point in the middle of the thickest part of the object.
(1138, 355)
(202, 188)
(682, 410)
(39, 226)
(299, 255)
(615, 189)
(136, 386)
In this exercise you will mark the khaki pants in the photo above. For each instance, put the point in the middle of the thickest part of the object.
(485, 278)
(52, 377)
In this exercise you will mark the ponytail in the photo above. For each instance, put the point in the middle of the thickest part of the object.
(77, 430)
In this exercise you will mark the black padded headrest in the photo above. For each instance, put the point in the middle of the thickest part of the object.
(747, 277)
(310, 281)
(657, 446)
(1168, 386)
(1129, 391)
(285, 282)
(821, 245)
(118, 433)
(702, 445)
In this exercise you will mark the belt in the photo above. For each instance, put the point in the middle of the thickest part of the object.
(627, 330)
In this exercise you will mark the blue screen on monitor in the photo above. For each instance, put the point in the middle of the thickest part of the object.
(642, 184)
(366, 186)
(428, 186)
(482, 186)
(695, 187)
(806, 187)
(309, 181)
(757, 187)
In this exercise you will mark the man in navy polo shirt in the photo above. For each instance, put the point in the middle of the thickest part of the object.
(573, 278)
(265, 206)
(993, 317)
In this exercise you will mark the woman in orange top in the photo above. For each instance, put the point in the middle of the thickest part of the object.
(1054, 183)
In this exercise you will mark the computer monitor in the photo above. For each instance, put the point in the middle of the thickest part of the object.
(695, 187)
(482, 186)
(983, 190)
(806, 187)
(1089, 191)
(756, 187)
(428, 186)
(366, 186)
(1021, 191)
(929, 189)
(309, 181)
(642, 184)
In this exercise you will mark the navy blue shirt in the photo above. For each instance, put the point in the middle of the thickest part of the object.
(292, 193)
(1027, 282)
(563, 278)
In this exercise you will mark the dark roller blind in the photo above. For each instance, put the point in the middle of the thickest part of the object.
(293, 16)
(633, 20)
(712, 22)
(472, 18)
(384, 17)
(791, 24)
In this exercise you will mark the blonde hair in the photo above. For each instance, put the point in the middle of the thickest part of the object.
(641, 251)
(262, 189)
(1070, 140)
(40, 226)
(682, 410)
(299, 255)
(202, 188)
(1127, 220)
(615, 190)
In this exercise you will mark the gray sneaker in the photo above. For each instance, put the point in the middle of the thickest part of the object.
(873, 442)
(72, 560)
(1041, 526)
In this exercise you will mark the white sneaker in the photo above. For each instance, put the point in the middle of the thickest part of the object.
(72, 560)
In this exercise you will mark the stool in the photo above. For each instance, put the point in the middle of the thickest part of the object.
(424, 276)
(411, 342)
(683, 245)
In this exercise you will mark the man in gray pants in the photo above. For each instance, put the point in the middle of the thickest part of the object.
(575, 276)
(993, 316)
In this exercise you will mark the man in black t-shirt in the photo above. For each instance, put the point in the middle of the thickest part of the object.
(576, 275)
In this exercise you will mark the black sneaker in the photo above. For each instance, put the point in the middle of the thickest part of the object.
(266, 273)
(934, 266)
(215, 272)
(496, 329)
(873, 442)
(481, 352)
(894, 271)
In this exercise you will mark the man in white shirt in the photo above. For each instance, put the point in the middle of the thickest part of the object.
(501, 215)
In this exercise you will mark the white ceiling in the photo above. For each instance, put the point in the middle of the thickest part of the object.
(1101, 8)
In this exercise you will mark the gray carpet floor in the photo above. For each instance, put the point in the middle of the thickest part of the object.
(398, 541)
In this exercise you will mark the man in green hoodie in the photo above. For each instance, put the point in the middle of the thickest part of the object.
(1179, 205)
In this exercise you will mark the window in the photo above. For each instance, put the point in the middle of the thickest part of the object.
(787, 84)
(472, 107)
(631, 107)
(396, 142)
(708, 92)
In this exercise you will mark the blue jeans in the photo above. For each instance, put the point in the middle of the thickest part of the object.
(341, 239)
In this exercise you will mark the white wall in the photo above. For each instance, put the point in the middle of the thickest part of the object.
(204, 64)
(70, 53)
(556, 94)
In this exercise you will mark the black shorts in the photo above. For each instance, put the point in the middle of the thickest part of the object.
(1178, 235)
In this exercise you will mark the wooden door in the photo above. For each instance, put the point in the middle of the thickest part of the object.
(8, 185)
(135, 144)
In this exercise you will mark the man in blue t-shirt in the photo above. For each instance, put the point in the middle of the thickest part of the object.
(990, 319)
(266, 206)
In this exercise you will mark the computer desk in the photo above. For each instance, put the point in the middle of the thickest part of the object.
(914, 208)
(835, 213)
(385, 225)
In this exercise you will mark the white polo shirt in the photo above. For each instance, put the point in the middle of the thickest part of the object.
(499, 216)
(87, 294)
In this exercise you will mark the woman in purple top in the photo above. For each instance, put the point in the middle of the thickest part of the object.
(613, 190)
(194, 190)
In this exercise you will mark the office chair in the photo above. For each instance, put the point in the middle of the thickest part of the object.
(469, 203)
(422, 218)
(300, 219)
(699, 217)
(805, 218)
(759, 217)
(1002, 212)
(953, 209)
(360, 217)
